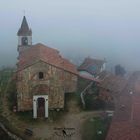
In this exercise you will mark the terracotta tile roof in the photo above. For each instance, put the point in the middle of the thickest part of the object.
(46, 54)
(113, 83)
(123, 131)
(136, 109)
(123, 109)
(91, 65)
(126, 121)
(103, 74)
(89, 78)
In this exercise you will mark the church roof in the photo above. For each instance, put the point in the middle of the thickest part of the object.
(46, 54)
(24, 29)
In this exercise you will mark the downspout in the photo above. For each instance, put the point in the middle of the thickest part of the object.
(82, 94)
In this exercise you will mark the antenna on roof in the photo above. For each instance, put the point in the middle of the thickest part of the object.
(23, 12)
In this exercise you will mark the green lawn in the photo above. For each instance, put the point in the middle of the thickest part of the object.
(95, 128)
(5, 76)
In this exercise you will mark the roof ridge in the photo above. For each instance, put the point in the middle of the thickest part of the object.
(49, 55)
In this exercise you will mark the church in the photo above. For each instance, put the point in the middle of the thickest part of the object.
(43, 75)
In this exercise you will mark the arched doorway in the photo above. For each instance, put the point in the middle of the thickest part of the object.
(40, 107)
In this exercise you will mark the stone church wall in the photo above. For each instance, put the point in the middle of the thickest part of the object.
(55, 83)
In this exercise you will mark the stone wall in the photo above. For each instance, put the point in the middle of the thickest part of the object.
(55, 83)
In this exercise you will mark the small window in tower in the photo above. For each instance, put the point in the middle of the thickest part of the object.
(41, 75)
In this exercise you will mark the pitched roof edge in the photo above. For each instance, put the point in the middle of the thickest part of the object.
(46, 63)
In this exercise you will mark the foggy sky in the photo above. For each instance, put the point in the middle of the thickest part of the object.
(77, 28)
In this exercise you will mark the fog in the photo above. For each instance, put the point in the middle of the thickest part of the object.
(100, 29)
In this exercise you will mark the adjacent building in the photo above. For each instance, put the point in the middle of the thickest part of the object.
(92, 67)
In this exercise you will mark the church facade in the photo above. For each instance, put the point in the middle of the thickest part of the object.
(43, 75)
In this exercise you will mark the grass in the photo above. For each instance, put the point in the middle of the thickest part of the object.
(25, 116)
(56, 115)
(95, 128)
(11, 128)
(72, 97)
(5, 75)
(5, 89)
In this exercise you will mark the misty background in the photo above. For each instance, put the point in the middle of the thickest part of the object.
(100, 29)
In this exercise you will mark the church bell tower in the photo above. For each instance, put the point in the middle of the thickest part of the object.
(24, 36)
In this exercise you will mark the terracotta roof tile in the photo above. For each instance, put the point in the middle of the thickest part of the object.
(136, 109)
(126, 121)
(113, 83)
(44, 53)
(91, 65)
(123, 131)
(89, 78)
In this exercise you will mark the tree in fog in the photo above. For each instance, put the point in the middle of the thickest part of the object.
(119, 70)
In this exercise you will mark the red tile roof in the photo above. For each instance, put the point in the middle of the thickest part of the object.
(123, 131)
(136, 109)
(126, 121)
(89, 78)
(113, 83)
(46, 54)
(91, 65)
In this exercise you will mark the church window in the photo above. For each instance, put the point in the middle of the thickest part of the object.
(41, 75)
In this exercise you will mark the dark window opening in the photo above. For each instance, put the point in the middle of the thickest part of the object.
(24, 41)
(41, 75)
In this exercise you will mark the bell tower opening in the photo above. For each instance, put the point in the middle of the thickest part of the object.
(24, 41)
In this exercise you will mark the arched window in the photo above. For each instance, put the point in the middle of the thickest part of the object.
(41, 75)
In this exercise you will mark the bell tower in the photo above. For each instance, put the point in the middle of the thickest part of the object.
(24, 36)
